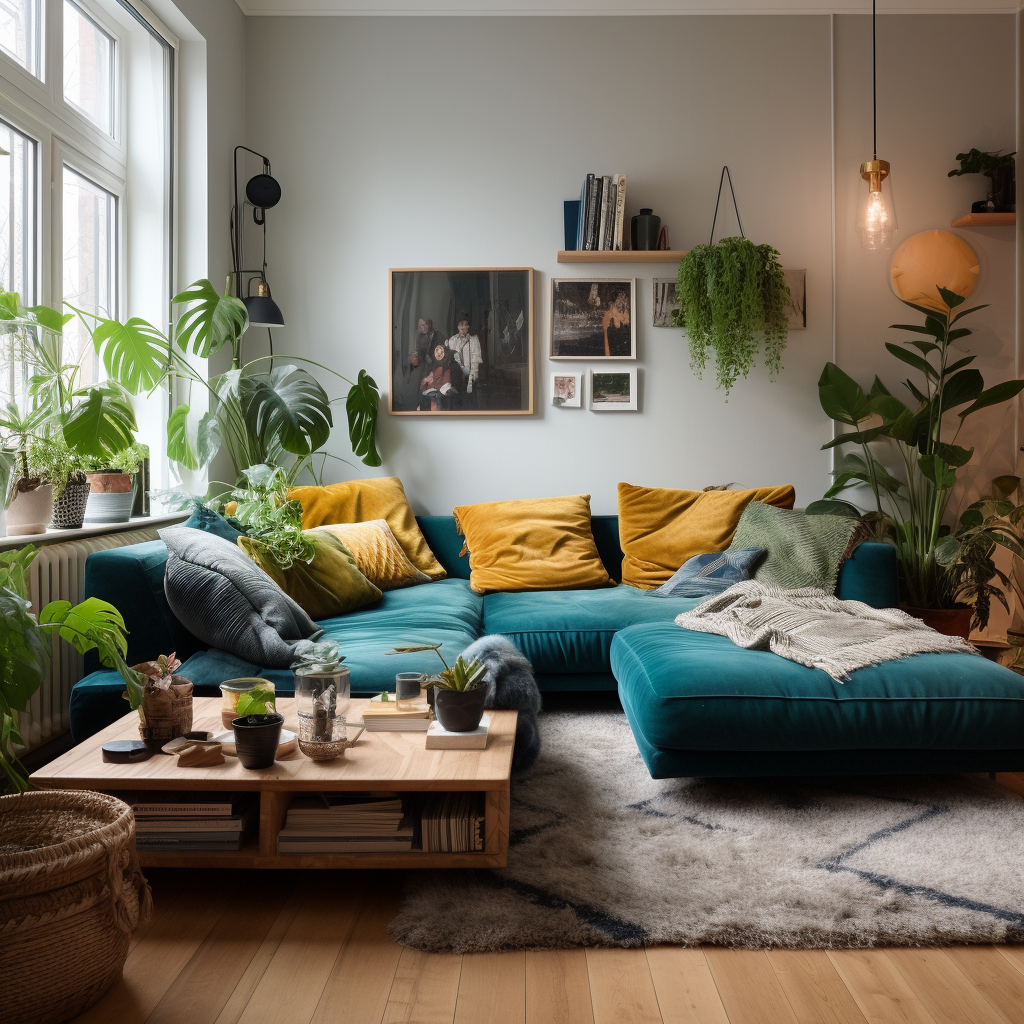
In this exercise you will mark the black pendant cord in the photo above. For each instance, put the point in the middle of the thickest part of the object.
(735, 206)
(874, 89)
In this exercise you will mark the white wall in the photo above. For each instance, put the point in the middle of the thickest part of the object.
(453, 141)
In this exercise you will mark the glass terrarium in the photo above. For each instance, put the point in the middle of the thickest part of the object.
(324, 693)
(248, 696)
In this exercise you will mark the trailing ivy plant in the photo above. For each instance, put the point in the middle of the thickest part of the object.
(730, 295)
(272, 521)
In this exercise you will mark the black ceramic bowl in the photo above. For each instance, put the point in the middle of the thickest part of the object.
(256, 739)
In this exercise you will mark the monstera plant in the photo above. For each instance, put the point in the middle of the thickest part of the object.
(911, 499)
(263, 412)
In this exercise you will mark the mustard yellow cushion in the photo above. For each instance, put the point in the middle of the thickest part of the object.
(660, 528)
(331, 584)
(359, 501)
(378, 554)
(535, 544)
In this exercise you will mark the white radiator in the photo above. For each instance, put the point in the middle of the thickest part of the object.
(58, 574)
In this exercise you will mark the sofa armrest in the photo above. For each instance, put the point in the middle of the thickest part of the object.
(131, 578)
(870, 575)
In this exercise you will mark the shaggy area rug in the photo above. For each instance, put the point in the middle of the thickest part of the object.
(601, 854)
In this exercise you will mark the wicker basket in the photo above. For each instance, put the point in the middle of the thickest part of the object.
(71, 894)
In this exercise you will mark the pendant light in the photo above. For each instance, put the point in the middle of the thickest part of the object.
(876, 214)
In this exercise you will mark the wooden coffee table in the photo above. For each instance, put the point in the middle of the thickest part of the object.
(392, 761)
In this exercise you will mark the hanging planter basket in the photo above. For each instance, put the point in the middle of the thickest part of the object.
(732, 295)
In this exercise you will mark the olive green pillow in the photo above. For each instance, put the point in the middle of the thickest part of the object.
(331, 584)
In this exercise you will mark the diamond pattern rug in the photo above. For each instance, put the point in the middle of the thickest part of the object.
(601, 854)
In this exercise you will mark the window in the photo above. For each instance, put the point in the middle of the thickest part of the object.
(90, 263)
(18, 213)
(20, 35)
(88, 67)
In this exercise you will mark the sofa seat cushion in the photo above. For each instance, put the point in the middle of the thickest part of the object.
(570, 631)
(696, 691)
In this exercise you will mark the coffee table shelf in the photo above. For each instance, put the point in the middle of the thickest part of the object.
(387, 761)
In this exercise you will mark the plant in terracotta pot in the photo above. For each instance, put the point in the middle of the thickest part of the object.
(112, 481)
(911, 499)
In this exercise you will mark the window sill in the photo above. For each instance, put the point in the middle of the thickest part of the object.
(100, 529)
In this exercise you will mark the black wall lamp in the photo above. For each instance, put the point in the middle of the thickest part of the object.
(262, 191)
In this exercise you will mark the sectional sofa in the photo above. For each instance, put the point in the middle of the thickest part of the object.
(697, 704)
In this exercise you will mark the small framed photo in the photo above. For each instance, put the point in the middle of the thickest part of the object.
(567, 390)
(797, 309)
(613, 391)
(593, 318)
(666, 303)
(461, 341)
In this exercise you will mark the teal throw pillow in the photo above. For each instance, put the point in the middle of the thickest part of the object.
(208, 521)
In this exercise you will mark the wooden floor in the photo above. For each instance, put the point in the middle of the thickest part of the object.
(261, 947)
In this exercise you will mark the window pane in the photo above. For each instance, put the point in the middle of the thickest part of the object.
(88, 67)
(18, 214)
(19, 33)
(90, 264)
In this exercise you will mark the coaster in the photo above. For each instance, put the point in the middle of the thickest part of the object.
(125, 751)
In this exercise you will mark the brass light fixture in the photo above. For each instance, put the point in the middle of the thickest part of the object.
(876, 216)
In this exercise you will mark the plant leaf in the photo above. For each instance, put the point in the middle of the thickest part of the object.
(50, 318)
(916, 361)
(860, 437)
(936, 470)
(951, 299)
(208, 439)
(102, 425)
(209, 320)
(953, 367)
(287, 404)
(134, 353)
(965, 312)
(361, 407)
(179, 445)
(995, 395)
(841, 397)
(962, 387)
(832, 508)
(953, 454)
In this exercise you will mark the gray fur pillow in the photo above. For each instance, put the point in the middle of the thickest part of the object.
(227, 601)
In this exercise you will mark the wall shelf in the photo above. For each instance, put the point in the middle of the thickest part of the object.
(616, 256)
(986, 220)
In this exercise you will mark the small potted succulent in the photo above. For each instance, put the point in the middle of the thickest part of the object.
(162, 699)
(459, 691)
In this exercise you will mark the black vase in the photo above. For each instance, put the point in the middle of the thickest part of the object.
(256, 739)
(644, 230)
(460, 710)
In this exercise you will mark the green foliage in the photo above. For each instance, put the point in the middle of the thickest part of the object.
(909, 508)
(286, 406)
(461, 676)
(413, 648)
(260, 700)
(209, 321)
(320, 658)
(361, 407)
(127, 461)
(974, 161)
(25, 647)
(134, 353)
(103, 425)
(273, 521)
(731, 294)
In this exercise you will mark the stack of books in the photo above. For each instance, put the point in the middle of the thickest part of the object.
(384, 716)
(346, 823)
(602, 213)
(192, 821)
(453, 823)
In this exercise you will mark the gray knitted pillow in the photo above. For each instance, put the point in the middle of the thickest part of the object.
(229, 602)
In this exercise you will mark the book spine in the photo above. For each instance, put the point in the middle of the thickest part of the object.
(181, 810)
(594, 198)
(571, 219)
(581, 226)
(606, 200)
(620, 211)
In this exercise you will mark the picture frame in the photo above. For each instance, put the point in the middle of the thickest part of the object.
(460, 341)
(613, 391)
(797, 308)
(593, 318)
(665, 302)
(567, 390)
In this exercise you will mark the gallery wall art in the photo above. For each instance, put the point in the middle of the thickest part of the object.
(613, 391)
(593, 318)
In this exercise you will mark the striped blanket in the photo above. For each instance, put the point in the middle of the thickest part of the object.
(813, 628)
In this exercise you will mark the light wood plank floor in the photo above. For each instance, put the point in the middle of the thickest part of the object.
(288, 947)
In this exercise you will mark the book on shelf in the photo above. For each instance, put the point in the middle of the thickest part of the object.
(439, 738)
(186, 804)
(571, 222)
(602, 212)
(453, 823)
(191, 842)
(326, 844)
(346, 823)
(228, 823)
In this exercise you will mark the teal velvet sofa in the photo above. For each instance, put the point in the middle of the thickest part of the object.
(698, 705)
(567, 635)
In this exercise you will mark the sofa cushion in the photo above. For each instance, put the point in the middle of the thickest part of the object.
(698, 691)
(712, 572)
(570, 631)
(377, 553)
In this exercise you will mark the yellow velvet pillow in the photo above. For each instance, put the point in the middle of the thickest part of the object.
(659, 528)
(378, 554)
(535, 544)
(359, 501)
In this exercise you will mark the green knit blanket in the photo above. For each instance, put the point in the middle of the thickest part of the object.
(803, 551)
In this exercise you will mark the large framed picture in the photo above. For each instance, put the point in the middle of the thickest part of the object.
(593, 318)
(461, 341)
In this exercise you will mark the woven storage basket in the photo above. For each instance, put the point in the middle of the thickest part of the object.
(71, 894)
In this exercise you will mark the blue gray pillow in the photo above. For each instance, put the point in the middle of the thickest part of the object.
(204, 518)
(227, 601)
(708, 574)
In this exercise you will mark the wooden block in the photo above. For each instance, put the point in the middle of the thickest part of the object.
(199, 755)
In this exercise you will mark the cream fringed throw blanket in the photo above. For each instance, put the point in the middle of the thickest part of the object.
(813, 628)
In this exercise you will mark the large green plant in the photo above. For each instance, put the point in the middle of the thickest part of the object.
(730, 295)
(910, 507)
(258, 411)
(25, 648)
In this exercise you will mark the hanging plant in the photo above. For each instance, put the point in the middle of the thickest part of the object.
(731, 294)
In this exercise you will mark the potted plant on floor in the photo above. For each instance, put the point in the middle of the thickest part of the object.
(939, 581)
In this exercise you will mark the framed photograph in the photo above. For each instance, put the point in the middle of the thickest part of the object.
(613, 391)
(797, 310)
(567, 390)
(665, 301)
(461, 341)
(593, 319)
